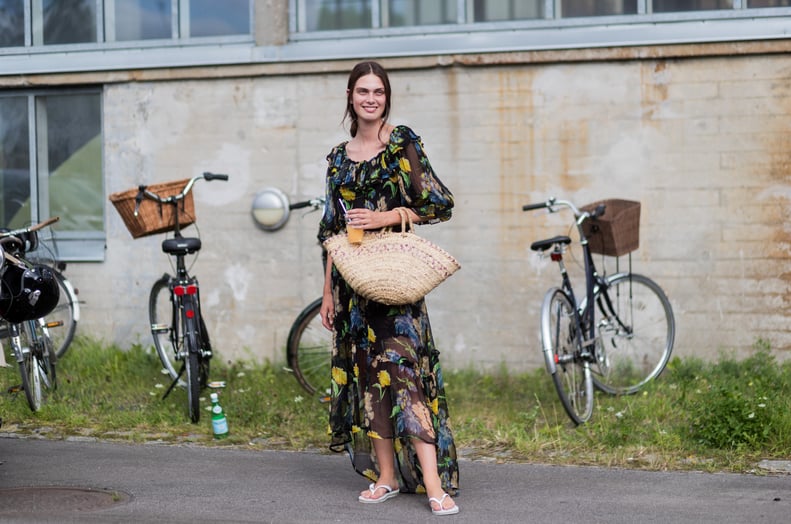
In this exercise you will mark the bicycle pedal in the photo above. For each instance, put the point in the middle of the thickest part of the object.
(160, 328)
(14, 389)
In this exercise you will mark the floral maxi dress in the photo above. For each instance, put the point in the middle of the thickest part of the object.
(386, 377)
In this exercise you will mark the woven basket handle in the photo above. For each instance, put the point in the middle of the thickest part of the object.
(405, 217)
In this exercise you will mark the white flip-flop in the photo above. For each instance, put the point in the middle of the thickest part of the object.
(442, 511)
(389, 493)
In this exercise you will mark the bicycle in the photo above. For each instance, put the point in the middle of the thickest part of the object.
(29, 292)
(630, 342)
(309, 345)
(66, 314)
(177, 325)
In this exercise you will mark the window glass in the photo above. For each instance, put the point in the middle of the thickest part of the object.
(573, 8)
(501, 10)
(322, 15)
(768, 3)
(669, 6)
(415, 12)
(142, 19)
(69, 21)
(215, 18)
(14, 162)
(12, 23)
(69, 139)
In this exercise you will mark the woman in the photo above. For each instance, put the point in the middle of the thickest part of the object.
(388, 401)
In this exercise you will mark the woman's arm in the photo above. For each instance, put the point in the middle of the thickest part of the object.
(327, 310)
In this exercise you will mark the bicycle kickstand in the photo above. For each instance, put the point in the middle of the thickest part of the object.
(175, 381)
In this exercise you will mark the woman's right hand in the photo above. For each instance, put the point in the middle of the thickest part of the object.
(327, 311)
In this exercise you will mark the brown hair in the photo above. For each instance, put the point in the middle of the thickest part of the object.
(360, 70)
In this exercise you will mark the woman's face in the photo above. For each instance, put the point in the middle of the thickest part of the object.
(369, 98)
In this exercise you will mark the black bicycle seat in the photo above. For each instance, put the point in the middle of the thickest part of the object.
(181, 246)
(543, 245)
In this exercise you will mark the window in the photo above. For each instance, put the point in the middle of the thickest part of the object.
(499, 10)
(670, 6)
(415, 12)
(214, 18)
(575, 8)
(333, 15)
(51, 165)
(141, 19)
(65, 22)
(12, 23)
(324, 15)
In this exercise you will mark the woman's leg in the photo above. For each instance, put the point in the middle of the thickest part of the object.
(427, 456)
(385, 458)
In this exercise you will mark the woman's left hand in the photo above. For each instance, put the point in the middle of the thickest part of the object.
(362, 218)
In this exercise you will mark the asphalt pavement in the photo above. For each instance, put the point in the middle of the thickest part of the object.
(45, 480)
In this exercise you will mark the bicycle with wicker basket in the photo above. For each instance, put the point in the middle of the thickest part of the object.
(619, 334)
(177, 325)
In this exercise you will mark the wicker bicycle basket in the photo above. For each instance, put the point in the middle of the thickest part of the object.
(617, 231)
(153, 217)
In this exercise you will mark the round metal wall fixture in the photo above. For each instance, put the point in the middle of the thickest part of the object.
(270, 209)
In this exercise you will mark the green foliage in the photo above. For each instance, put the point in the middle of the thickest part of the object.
(736, 403)
(722, 415)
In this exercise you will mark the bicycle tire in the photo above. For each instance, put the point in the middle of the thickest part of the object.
(309, 350)
(42, 361)
(192, 359)
(635, 333)
(63, 320)
(24, 358)
(167, 342)
(571, 373)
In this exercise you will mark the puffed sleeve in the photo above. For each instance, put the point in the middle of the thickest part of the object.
(421, 188)
(331, 222)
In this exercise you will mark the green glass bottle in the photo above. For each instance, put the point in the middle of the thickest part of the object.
(219, 423)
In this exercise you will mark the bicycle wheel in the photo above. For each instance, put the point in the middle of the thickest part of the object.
(24, 357)
(62, 321)
(42, 361)
(309, 350)
(635, 330)
(193, 363)
(570, 372)
(161, 316)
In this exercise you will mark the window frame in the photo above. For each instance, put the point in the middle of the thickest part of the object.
(105, 30)
(70, 246)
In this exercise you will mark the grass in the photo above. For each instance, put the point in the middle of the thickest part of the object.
(714, 416)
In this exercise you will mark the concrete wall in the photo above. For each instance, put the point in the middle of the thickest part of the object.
(703, 143)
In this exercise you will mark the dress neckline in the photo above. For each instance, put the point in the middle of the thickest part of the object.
(373, 158)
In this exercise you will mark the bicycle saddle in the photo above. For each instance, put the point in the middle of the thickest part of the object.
(181, 246)
(543, 245)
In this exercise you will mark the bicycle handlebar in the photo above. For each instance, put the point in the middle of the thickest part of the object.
(30, 229)
(315, 203)
(143, 191)
(553, 202)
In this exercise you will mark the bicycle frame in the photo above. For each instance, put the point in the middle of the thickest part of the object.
(186, 331)
(583, 316)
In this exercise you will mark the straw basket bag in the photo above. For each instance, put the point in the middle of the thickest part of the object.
(392, 268)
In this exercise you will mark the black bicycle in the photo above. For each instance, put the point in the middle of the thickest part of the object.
(28, 293)
(177, 325)
(309, 345)
(619, 334)
(64, 318)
